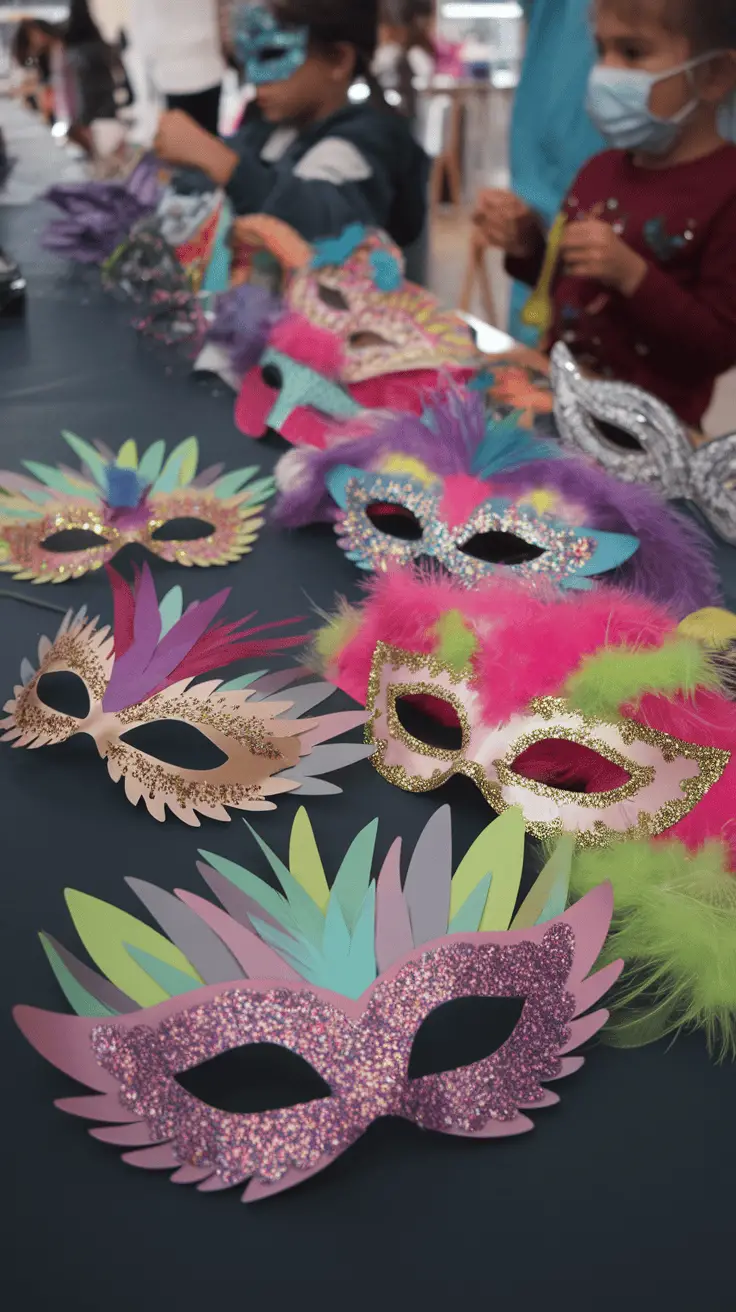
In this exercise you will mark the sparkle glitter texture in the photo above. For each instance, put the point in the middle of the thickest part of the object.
(566, 551)
(666, 459)
(667, 777)
(365, 1062)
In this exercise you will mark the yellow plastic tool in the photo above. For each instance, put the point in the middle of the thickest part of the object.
(713, 627)
(539, 311)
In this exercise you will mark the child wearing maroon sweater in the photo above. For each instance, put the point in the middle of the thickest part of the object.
(645, 289)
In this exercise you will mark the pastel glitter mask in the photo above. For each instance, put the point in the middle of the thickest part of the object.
(356, 289)
(62, 523)
(140, 676)
(481, 497)
(269, 53)
(638, 438)
(389, 957)
(593, 715)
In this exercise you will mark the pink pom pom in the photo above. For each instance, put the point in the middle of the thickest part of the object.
(302, 341)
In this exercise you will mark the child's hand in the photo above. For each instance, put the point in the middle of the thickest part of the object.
(591, 249)
(506, 222)
(179, 140)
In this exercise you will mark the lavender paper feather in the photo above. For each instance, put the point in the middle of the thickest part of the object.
(98, 216)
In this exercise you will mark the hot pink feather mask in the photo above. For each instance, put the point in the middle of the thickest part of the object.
(511, 687)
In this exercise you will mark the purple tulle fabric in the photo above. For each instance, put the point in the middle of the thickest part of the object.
(98, 216)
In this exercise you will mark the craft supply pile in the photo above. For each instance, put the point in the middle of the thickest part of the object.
(537, 610)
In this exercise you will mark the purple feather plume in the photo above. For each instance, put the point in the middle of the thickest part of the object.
(98, 216)
(243, 323)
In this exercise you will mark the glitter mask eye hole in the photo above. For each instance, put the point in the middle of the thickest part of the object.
(332, 297)
(462, 1033)
(175, 743)
(495, 547)
(394, 520)
(74, 538)
(431, 721)
(257, 1077)
(187, 528)
(618, 437)
(366, 339)
(570, 767)
(63, 691)
(272, 376)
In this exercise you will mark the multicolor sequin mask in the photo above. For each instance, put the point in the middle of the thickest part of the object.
(136, 680)
(637, 438)
(268, 52)
(62, 523)
(480, 497)
(343, 978)
(590, 712)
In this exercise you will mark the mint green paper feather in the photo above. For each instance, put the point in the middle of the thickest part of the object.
(180, 468)
(353, 877)
(230, 484)
(170, 609)
(547, 898)
(171, 980)
(274, 903)
(467, 919)
(91, 458)
(237, 685)
(78, 997)
(299, 950)
(40, 496)
(12, 513)
(308, 918)
(362, 968)
(151, 463)
(336, 937)
(56, 479)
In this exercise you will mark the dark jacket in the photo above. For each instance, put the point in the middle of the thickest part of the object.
(372, 172)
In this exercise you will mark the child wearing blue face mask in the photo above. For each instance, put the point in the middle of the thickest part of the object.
(305, 153)
(645, 286)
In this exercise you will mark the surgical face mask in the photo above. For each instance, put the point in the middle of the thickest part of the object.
(618, 104)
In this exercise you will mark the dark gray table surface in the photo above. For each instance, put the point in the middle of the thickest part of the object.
(622, 1196)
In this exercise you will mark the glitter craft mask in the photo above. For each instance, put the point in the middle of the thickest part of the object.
(140, 675)
(637, 438)
(62, 523)
(481, 498)
(348, 987)
(590, 712)
(386, 324)
(269, 53)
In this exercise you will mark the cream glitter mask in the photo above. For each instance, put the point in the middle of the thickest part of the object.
(348, 979)
(637, 438)
(589, 711)
(140, 676)
(62, 523)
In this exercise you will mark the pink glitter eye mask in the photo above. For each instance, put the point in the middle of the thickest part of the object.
(61, 523)
(133, 686)
(351, 979)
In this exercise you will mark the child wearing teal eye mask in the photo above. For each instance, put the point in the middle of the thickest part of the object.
(643, 285)
(305, 152)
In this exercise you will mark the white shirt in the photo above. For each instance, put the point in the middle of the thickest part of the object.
(178, 41)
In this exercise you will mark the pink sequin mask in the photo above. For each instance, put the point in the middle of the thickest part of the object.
(139, 1062)
(61, 523)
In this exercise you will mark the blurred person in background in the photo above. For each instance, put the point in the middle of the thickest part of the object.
(180, 44)
(305, 152)
(87, 78)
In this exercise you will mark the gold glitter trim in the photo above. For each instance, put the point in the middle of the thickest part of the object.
(711, 761)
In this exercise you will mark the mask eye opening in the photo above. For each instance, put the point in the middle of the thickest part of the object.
(433, 725)
(394, 520)
(176, 744)
(495, 547)
(463, 1032)
(184, 528)
(64, 692)
(253, 1078)
(75, 538)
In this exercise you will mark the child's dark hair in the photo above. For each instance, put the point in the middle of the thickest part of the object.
(708, 24)
(22, 44)
(332, 22)
(81, 27)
